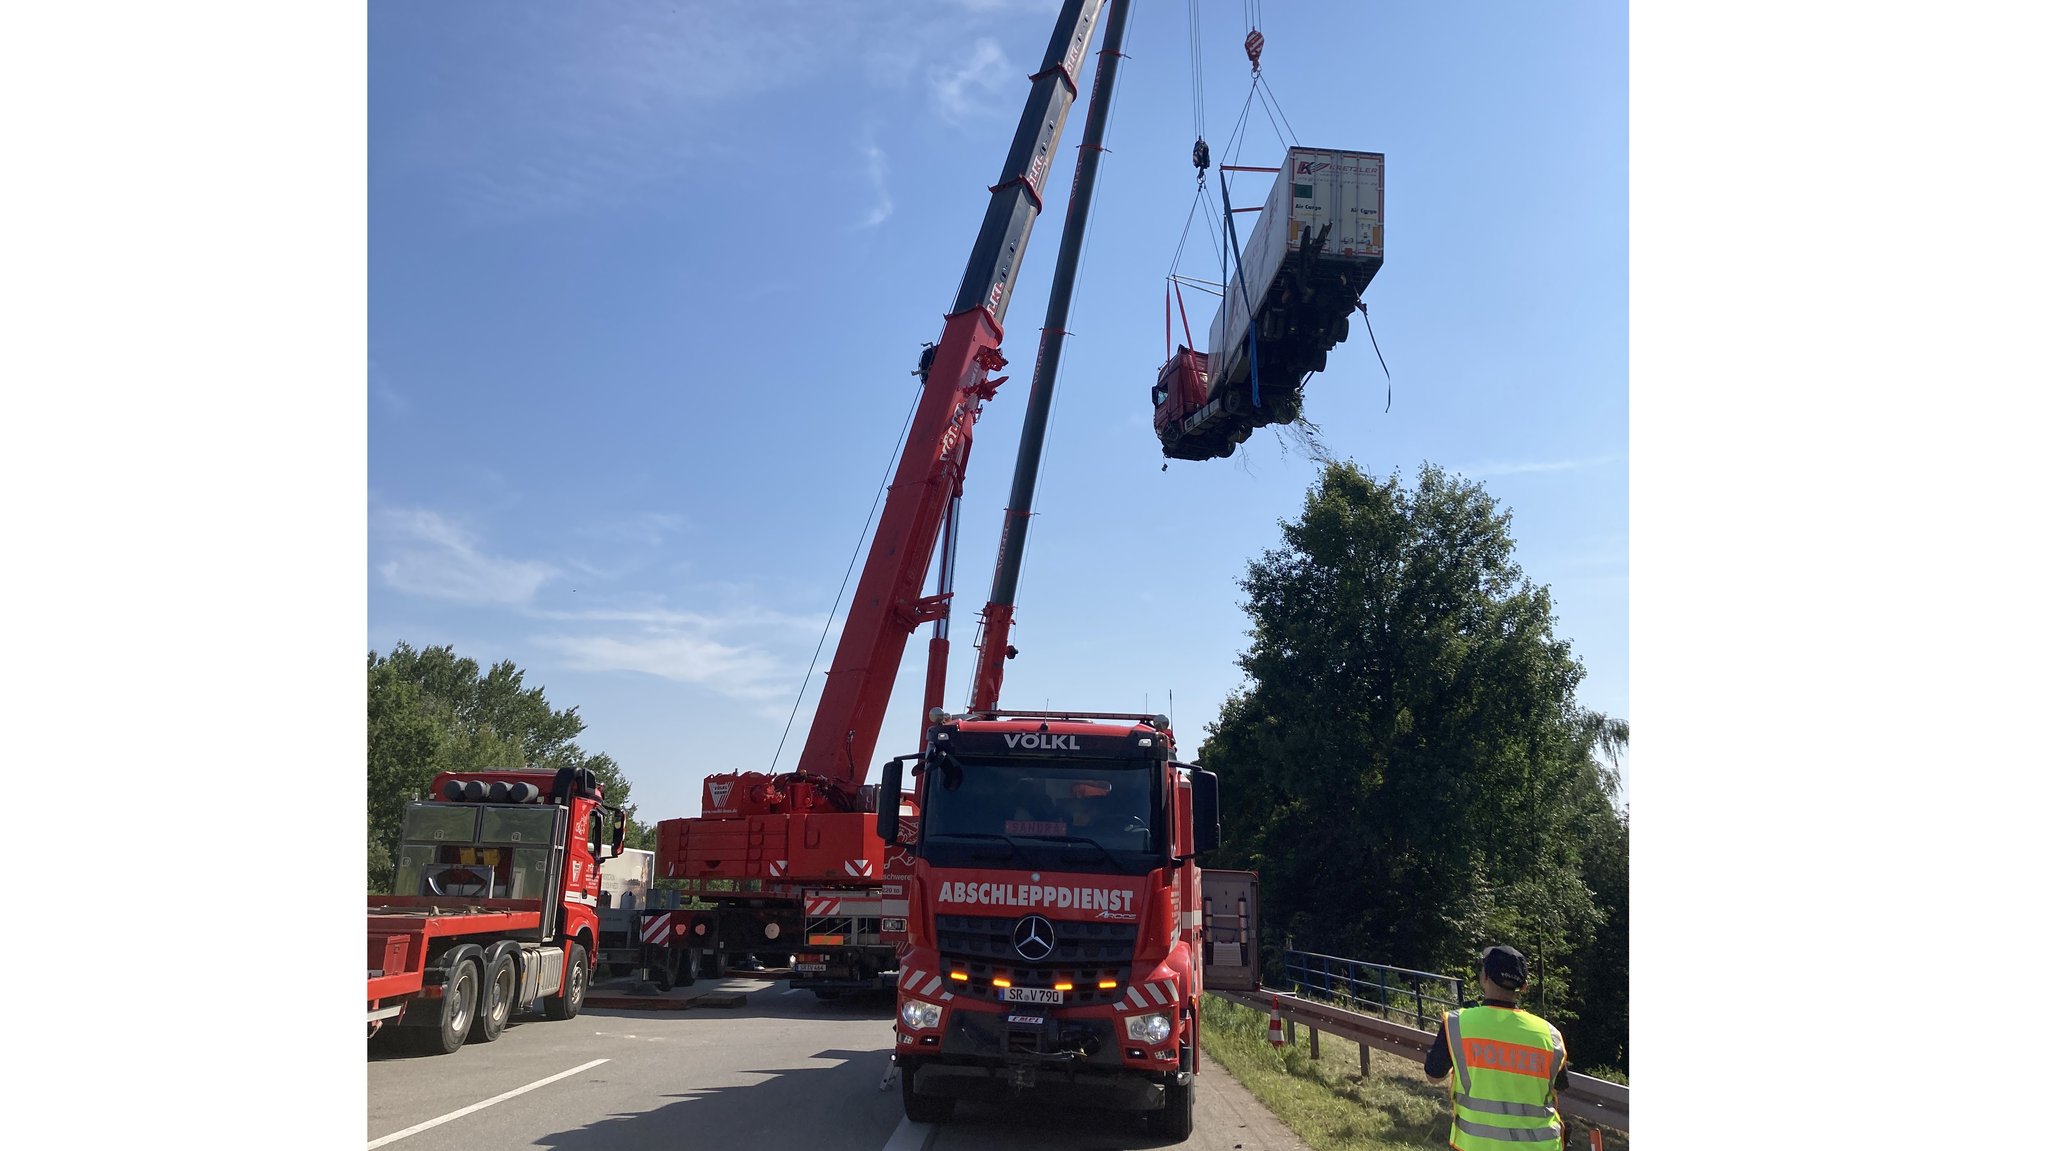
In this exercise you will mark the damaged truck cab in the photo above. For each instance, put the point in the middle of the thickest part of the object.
(1054, 917)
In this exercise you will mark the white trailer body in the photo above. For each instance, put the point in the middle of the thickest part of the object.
(1316, 188)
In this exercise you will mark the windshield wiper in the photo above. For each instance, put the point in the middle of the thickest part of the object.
(1010, 845)
(1104, 851)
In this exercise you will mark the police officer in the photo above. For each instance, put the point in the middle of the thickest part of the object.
(1508, 1065)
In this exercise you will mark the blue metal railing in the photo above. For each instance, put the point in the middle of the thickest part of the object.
(1374, 986)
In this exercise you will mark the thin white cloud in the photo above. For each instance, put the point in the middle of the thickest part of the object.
(875, 163)
(428, 555)
(739, 672)
(646, 529)
(968, 91)
(1526, 467)
(750, 654)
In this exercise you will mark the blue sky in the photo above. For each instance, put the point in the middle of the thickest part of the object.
(646, 284)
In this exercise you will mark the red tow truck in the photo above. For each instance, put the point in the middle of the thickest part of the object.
(1055, 921)
(495, 906)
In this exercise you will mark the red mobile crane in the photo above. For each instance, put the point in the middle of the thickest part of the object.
(792, 860)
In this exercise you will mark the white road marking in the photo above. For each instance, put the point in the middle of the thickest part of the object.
(475, 1107)
(911, 1136)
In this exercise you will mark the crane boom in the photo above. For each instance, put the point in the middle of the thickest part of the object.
(887, 604)
(1002, 600)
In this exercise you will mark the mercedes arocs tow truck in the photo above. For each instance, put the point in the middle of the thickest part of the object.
(1054, 914)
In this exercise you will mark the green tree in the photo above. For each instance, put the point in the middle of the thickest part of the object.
(432, 711)
(1407, 766)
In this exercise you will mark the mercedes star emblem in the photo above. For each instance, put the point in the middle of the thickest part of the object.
(1033, 937)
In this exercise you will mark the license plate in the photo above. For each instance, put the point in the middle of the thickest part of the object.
(1033, 995)
(810, 967)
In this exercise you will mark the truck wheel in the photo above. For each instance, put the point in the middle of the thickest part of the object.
(458, 1011)
(923, 1108)
(685, 962)
(1176, 1121)
(570, 1001)
(494, 1007)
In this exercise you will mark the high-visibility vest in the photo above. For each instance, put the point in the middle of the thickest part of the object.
(1503, 1060)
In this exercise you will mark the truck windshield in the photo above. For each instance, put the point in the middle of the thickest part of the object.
(1100, 816)
(476, 851)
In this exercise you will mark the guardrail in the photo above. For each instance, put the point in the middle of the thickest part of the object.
(1584, 1097)
(1373, 984)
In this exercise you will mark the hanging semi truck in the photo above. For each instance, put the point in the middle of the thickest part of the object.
(494, 906)
(1054, 914)
(1319, 240)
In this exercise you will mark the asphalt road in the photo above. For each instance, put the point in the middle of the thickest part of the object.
(784, 1070)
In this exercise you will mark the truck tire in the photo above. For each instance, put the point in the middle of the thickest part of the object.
(494, 1005)
(1176, 1121)
(458, 1012)
(923, 1108)
(570, 1001)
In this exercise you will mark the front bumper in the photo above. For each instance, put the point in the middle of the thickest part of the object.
(991, 1054)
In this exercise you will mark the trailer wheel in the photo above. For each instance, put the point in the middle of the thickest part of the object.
(458, 1012)
(570, 1001)
(677, 967)
(923, 1108)
(494, 1007)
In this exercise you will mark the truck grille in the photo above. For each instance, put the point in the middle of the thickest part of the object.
(1084, 954)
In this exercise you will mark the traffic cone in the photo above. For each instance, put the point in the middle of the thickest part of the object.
(1273, 1034)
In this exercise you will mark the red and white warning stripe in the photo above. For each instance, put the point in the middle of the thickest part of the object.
(926, 984)
(1159, 993)
(860, 869)
(817, 906)
(778, 866)
(655, 929)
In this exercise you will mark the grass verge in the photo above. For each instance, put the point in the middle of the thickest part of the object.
(1326, 1101)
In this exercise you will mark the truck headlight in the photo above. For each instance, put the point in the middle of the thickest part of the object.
(1149, 1029)
(919, 1015)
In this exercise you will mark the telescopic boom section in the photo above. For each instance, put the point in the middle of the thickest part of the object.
(888, 604)
(1002, 599)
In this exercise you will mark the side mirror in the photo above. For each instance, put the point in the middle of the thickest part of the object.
(887, 800)
(1207, 812)
(619, 835)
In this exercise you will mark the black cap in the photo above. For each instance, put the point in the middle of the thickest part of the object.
(1505, 966)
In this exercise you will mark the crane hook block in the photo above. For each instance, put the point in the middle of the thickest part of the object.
(1254, 43)
(1201, 154)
